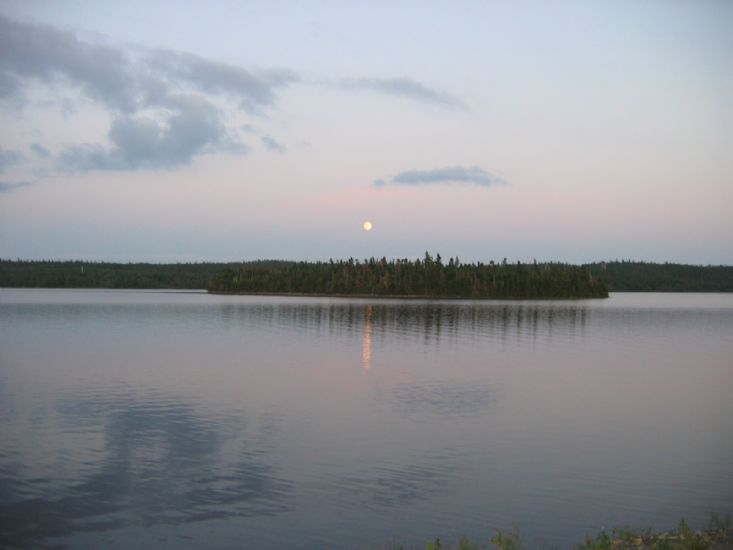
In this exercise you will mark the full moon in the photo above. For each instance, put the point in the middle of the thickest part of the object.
(367, 226)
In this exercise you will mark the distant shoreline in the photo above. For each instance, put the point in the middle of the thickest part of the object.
(619, 276)
(379, 296)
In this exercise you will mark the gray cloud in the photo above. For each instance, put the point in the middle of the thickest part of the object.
(149, 81)
(252, 90)
(273, 145)
(112, 76)
(449, 175)
(404, 87)
(9, 157)
(46, 53)
(39, 150)
(6, 186)
(9, 84)
(141, 142)
(158, 120)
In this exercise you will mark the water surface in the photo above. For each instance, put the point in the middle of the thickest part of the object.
(168, 419)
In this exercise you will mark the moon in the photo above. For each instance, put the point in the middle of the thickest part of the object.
(367, 225)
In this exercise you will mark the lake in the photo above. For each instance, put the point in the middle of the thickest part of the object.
(182, 419)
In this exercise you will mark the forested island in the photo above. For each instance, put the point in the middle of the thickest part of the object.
(618, 276)
(426, 278)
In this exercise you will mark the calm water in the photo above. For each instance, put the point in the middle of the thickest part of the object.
(163, 419)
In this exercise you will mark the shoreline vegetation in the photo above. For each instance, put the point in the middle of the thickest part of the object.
(717, 536)
(618, 276)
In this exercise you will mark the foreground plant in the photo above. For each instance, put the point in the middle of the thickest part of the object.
(718, 536)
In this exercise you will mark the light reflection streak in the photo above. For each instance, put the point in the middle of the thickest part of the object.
(366, 354)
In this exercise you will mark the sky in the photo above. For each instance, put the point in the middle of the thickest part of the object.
(188, 131)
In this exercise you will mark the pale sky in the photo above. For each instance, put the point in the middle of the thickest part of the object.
(190, 131)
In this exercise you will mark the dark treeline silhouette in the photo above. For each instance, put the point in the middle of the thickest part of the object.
(429, 277)
(78, 274)
(618, 275)
(649, 277)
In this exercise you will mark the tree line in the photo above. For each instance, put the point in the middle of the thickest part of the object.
(426, 277)
(617, 275)
(632, 276)
(79, 274)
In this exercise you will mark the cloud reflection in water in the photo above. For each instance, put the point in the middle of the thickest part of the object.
(161, 462)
